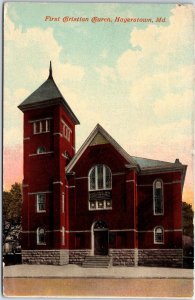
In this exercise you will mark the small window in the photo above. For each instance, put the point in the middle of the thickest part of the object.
(41, 126)
(63, 235)
(158, 235)
(66, 132)
(62, 202)
(41, 150)
(41, 203)
(41, 236)
(158, 197)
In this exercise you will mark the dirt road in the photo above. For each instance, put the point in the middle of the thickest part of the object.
(98, 287)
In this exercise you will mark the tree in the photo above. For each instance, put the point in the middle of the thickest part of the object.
(12, 202)
(187, 218)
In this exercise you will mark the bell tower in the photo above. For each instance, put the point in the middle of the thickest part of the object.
(49, 145)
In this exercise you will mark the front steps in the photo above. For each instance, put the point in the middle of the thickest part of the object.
(96, 261)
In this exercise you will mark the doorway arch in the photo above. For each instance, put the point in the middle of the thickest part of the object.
(99, 238)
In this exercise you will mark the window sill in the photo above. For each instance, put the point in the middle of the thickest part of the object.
(160, 214)
(35, 154)
(41, 211)
(34, 133)
(103, 189)
(158, 243)
(108, 208)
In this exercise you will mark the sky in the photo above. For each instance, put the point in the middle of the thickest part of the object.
(134, 78)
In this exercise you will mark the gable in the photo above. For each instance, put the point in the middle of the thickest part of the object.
(99, 139)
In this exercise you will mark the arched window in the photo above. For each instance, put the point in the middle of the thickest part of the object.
(158, 235)
(100, 185)
(40, 236)
(41, 150)
(100, 178)
(158, 202)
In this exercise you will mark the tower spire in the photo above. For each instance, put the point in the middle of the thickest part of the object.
(50, 70)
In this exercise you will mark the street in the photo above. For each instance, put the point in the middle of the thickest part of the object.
(98, 287)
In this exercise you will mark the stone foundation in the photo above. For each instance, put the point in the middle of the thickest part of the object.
(122, 257)
(46, 257)
(119, 257)
(77, 256)
(160, 257)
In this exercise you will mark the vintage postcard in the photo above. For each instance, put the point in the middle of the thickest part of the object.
(97, 149)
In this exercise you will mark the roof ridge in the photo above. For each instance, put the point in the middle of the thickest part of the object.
(117, 144)
(99, 128)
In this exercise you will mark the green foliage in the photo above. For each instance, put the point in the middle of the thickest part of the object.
(12, 202)
(187, 218)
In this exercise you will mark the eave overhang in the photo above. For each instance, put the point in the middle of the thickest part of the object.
(48, 103)
(159, 170)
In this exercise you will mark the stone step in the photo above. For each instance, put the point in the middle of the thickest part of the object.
(96, 261)
(97, 258)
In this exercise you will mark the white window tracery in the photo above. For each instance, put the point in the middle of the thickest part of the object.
(100, 186)
(41, 126)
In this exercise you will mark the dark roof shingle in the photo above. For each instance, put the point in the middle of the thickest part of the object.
(47, 91)
(48, 94)
(146, 163)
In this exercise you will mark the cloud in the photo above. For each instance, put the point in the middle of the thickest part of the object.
(171, 104)
(148, 92)
(106, 73)
(13, 117)
(104, 54)
(37, 46)
(159, 47)
(160, 75)
(13, 136)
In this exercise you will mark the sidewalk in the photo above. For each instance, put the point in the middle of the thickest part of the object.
(74, 271)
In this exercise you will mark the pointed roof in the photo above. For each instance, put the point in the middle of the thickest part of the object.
(143, 165)
(47, 94)
(100, 130)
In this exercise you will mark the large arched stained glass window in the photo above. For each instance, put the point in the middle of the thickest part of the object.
(100, 178)
(100, 185)
(158, 201)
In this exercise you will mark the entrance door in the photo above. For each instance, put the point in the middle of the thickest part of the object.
(101, 242)
(100, 238)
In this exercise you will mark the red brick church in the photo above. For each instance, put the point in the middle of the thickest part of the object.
(99, 205)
